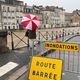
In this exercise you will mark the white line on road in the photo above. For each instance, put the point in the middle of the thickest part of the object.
(7, 67)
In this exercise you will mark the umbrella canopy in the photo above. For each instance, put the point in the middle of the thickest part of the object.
(30, 22)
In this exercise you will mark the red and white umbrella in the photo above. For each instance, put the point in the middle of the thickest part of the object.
(30, 21)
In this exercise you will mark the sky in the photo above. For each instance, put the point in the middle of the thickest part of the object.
(68, 5)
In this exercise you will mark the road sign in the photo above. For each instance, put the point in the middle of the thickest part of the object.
(45, 69)
(61, 46)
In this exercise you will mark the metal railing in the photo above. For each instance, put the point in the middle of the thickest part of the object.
(17, 39)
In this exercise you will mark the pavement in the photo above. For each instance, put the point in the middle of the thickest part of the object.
(14, 60)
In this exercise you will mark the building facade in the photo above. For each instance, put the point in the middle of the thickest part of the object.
(72, 19)
(47, 18)
(75, 18)
(53, 17)
(11, 16)
(68, 19)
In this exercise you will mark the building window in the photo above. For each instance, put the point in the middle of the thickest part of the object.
(4, 9)
(8, 9)
(9, 27)
(21, 10)
(12, 11)
(13, 27)
(29, 10)
(17, 9)
(5, 27)
(9, 17)
(17, 21)
(13, 17)
(4, 17)
(5, 23)
(13, 23)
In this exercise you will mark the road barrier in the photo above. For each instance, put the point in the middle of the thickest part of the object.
(71, 59)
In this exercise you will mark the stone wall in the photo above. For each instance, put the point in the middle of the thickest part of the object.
(3, 42)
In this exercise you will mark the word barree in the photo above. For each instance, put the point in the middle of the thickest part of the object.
(44, 74)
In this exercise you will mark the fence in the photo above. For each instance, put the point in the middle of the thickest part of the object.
(71, 60)
(17, 39)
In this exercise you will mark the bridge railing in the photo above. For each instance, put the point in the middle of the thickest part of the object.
(17, 39)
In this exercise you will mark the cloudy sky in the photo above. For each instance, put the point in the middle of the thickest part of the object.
(69, 5)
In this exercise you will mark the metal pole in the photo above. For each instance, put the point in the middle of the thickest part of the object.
(63, 36)
(59, 54)
(78, 62)
(68, 59)
(46, 35)
(73, 62)
(39, 38)
(28, 41)
(52, 35)
(56, 36)
(32, 47)
(63, 51)
(55, 54)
